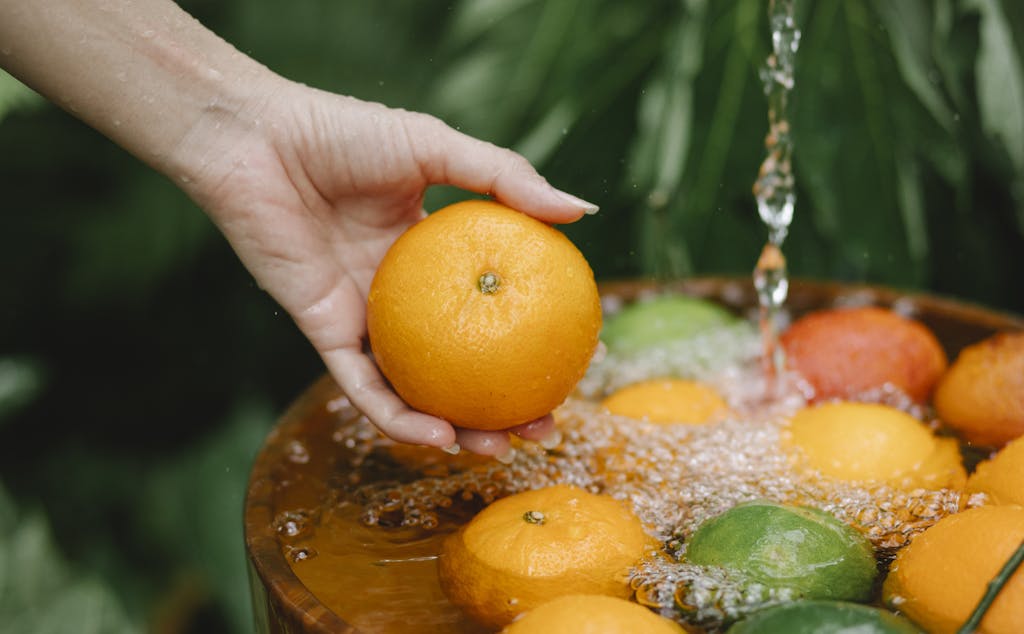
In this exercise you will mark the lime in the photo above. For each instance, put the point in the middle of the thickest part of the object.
(823, 617)
(664, 318)
(784, 546)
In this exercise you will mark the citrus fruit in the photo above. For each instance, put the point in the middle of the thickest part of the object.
(844, 352)
(591, 614)
(982, 394)
(873, 443)
(1002, 476)
(823, 617)
(786, 546)
(939, 578)
(483, 316)
(667, 401)
(531, 547)
(654, 321)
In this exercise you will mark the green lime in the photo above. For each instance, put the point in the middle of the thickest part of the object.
(783, 546)
(823, 617)
(664, 318)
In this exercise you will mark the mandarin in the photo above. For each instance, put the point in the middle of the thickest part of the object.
(531, 547)
(1002, 476)
(668, 401)
(982, 394)
(845, 352)
(868, 442)
(939, 578)
(591, 614)
(483, 316)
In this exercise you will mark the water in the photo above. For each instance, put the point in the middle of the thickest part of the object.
(387, 507)
(774, 188)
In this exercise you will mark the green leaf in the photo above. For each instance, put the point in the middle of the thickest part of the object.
(21, 381)
(40, 592)
(15, 95)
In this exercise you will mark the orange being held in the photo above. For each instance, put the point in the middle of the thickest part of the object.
(531, 547)
(483, 316)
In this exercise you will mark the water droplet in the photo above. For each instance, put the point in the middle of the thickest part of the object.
(297, 452)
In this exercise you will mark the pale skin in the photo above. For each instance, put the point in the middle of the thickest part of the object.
(309, 188)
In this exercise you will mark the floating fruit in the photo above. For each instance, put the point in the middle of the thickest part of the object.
(787, 546)
(591, 614)
(483, 316)
(660, 319)
(982, 394)
(668, 401)
(531, 547)
(867, 442)
(941, 576)
(845, 352)
(1002, 476)
(823, 617)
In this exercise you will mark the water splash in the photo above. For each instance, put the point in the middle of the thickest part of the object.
(774, 188)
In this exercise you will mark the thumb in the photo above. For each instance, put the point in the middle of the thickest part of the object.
(449, 157)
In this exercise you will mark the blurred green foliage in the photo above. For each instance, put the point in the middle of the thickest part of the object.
(140, 367)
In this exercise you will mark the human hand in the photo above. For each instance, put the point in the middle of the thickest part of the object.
(311, 188)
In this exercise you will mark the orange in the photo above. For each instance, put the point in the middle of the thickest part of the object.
(847, 351)
(591, 614)
(1002, 476)
(531, 547)
(939, 578)
(483, 316)
(982, 394)
(668, 401)
(871, 442)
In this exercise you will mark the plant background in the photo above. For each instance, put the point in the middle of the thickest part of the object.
(140, 367)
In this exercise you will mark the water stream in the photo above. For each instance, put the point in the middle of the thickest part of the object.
(774, 188)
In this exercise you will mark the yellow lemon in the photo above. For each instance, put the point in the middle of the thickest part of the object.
(870, 442)
(668, 401)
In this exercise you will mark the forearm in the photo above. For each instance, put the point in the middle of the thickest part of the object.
(143, 72)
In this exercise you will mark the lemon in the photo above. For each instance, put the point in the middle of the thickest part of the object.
(823, 617)
(668, 401)
(871, 442)
(784, 546)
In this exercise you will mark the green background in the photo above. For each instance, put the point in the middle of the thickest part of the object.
(140, 367)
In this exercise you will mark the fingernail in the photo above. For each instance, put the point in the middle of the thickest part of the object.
(507, 457)
(453, 449)
(552, 440)
(588, 208)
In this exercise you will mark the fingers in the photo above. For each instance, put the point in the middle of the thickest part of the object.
(449, 157)
(359, 378)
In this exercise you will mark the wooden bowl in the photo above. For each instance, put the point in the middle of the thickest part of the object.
(301, 444)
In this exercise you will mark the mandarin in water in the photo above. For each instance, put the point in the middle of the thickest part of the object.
(868, 442)
(941, 576)
(982, 394)
(528, 548)
(668, 401)
(844, 352)
(483, 316)
(592, 614)
(1001, 477)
